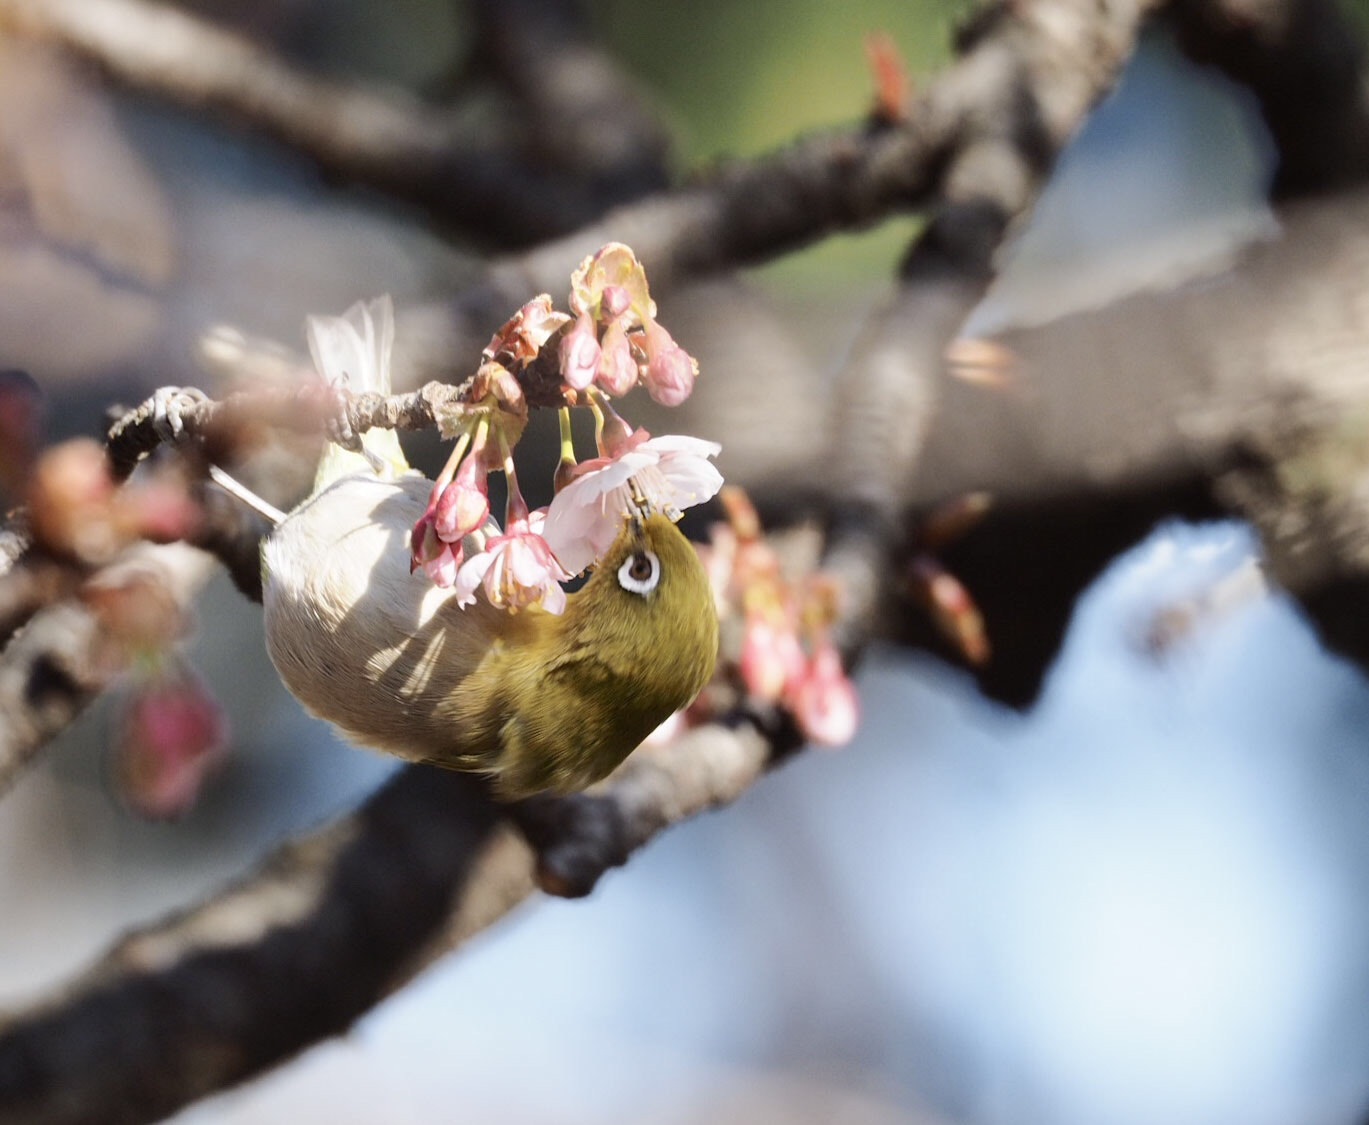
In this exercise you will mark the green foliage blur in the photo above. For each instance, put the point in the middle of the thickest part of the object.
(738, 79)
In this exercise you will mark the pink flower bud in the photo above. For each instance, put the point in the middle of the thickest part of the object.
(159, 510)
(171, 735)
(670, 370)
(770, 658)
(70, 500)
(443, 567)
(439, 559)
(617, 372)
(613, 302)
(824, 701)
(464, 504)
(580, 354)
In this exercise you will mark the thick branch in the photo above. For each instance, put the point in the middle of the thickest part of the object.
(578, 109)
(328, 926)
(27, 588)
(1304, 61)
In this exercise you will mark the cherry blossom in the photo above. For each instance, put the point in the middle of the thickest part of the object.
(171, 735)
(521, 337)
(667, 474)
(823, 699)
(518, 569)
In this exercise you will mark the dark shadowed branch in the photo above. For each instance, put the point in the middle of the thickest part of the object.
(504, 186)
(331, 924)
(1018, 91)
(1304, 62)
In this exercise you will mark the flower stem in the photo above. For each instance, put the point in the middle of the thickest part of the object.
(517, 507)
(598, 422)
(444, 478)
(565, 468)
(567, 445)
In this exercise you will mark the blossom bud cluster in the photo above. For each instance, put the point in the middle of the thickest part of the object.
(786, 653)
(610, 344)
(616, 340)
(77, 511)
(172, 735)
(170, 732)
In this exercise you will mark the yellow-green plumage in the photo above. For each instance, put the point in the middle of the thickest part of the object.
(559, 706)
(540, 702)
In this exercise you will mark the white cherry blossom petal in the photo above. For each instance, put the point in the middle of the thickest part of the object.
(672, 472)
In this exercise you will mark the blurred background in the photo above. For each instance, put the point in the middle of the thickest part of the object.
(1145, 901)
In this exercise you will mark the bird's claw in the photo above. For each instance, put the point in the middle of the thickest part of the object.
(338, 426)
(168, 405)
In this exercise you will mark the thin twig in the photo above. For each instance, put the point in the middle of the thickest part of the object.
(138, 432)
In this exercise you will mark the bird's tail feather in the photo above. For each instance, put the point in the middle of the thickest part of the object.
(352, 352)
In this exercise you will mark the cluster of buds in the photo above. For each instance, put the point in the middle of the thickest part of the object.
(170, 732)
(78, 512)
(612, 342)
(786, 653)
(616, 340)
(948, 603)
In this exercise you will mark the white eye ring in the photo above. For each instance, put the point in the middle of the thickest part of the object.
(631, 578)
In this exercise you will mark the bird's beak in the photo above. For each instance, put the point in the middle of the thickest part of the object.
(641, 507)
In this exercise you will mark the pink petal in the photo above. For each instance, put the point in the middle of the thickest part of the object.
(580, 354)
(554, 599)
(468, 578)
(617, 372)
(445, 566)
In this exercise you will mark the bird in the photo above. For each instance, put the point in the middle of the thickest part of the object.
(539, 702)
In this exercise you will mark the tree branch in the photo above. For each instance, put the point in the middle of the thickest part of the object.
(221, 422)
(331, 924)
(1022, 84)
(1304, 61)
(334, 922)
(444, 159)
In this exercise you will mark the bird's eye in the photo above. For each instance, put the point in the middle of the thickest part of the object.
(640, 573)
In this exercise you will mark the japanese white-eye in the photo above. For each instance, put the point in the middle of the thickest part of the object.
(541, 702)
